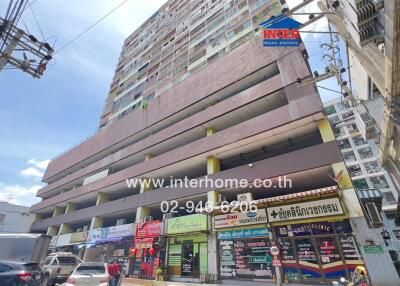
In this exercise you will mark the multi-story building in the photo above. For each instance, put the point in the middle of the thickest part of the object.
(14, 218)
(370, 179)
(197, 97)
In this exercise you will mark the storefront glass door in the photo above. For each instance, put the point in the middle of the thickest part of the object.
(190, 259)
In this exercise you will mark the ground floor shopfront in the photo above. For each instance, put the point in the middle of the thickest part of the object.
(316, 246)
(188, 247)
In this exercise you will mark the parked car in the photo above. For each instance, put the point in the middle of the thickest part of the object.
(89, 274)
(57, 267)
(19, 273)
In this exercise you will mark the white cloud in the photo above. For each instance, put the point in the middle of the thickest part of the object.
(31, 172)
(39, 164)
(20, 195)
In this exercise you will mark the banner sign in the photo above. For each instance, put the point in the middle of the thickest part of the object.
(96, 235)
(148, 229)
(120, 231)
(327, 207)
(240, 218)
(244, 233)
(189, 223)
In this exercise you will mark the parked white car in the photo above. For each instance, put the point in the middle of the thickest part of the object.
(89, 274)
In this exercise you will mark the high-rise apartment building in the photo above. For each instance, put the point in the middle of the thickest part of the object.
(178, 40)
(375, 188)
(196, 97)
(371, 31)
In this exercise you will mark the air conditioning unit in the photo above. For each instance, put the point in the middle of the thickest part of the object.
(121, 221)
(147, 218)
(86, 228)
(364, 122)
(246, 197)
(167, 216)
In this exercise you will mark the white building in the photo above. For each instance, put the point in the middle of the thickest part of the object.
(14, 218)
(375, 187)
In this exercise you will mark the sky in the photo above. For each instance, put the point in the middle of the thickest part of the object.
(42, 118)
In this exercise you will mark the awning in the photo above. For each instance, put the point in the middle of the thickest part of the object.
(316, 192)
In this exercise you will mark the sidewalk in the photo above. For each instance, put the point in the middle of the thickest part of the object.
(141, 282)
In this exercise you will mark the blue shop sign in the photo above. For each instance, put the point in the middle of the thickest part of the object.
(244, 233)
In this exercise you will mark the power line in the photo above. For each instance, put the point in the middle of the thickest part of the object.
(37, 23)
(91, 26)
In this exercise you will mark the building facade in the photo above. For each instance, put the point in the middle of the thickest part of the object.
(14, 218)
(197, 97)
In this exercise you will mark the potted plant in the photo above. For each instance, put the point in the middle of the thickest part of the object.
(160, 273)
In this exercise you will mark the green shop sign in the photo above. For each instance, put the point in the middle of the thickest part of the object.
(189, 223)
(373, 249)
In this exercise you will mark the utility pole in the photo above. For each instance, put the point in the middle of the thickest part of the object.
(18, 49)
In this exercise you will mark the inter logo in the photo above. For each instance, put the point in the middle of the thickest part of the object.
(281, 31)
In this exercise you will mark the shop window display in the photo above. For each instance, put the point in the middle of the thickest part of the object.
(246, 259)
(320, 251)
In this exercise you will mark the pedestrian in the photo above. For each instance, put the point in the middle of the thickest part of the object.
(111, 272)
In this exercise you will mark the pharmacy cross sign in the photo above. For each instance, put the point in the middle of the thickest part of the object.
(274, 214)
(281, 31)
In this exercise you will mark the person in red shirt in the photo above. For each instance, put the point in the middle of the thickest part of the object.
(114, 270)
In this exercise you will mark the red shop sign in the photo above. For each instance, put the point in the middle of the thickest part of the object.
(148, 229)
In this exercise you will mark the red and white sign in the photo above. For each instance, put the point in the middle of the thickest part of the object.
(148, 229)
(276, 262)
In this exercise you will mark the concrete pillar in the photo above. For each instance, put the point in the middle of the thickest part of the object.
(64, 228)
(325, 130)
(97, 222)
(338, 168)
(58, 211)
(71, 207)
(38, 217)
(147, 186)
(52, 230)
(101, 198)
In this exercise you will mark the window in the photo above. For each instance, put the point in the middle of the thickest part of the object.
(344, 143)
(2, 217)
(330, 110)
(354, 170)
(359, 140)
(379, 182)
(361, 184)
(396, 233)
(388, 197)
(90, 269)
(4, 267)
(365, 153)
(349, 156)
(371, 167)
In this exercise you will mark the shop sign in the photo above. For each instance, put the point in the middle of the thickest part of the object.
(240, 218)
(189, 223)
(63, 239)
(373, 249)
(276, 262)
(120, 231)
(96, 235)
(244, 233)
(146, 242)
(148, 229)
(78, 237)
(327, 207)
